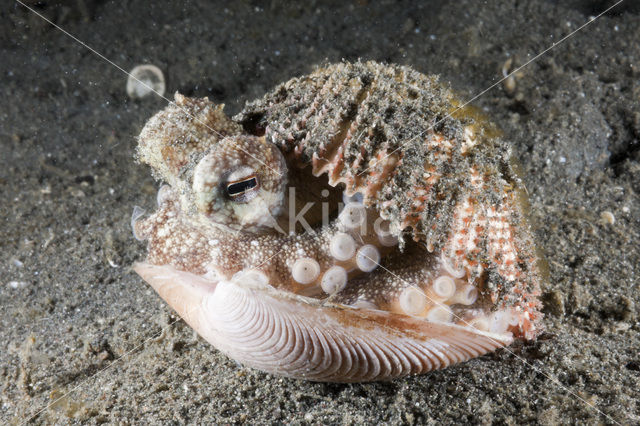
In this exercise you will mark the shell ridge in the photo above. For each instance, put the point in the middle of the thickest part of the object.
(323, 363)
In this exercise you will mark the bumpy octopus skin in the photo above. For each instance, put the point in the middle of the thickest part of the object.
(352, 225)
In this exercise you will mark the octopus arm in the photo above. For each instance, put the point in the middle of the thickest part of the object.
(303, 339)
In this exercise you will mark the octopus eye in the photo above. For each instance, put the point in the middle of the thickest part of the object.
(244, 189)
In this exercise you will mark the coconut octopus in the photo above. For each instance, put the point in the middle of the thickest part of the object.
(355, 224)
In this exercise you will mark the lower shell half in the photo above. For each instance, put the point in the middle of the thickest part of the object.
(302, 338)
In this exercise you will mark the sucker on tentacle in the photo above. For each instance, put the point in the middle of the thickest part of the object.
(352, 225)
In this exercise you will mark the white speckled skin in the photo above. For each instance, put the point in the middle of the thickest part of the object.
(242, 257)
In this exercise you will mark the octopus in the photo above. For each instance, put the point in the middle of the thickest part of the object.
(355, 224)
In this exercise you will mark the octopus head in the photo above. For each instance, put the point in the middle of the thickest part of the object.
(241, 183)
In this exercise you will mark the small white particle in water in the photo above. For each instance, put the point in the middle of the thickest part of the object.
(17, 284)
(563, 160)
(607, 217)
(17, 263)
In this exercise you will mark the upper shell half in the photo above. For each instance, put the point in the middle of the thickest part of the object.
(352, 225)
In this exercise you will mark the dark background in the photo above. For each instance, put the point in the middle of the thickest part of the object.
(73, 317)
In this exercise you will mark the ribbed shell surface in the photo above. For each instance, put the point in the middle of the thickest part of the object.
(384, 130)
(311, 341)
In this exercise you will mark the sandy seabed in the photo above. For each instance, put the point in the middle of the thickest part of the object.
(84, 340)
